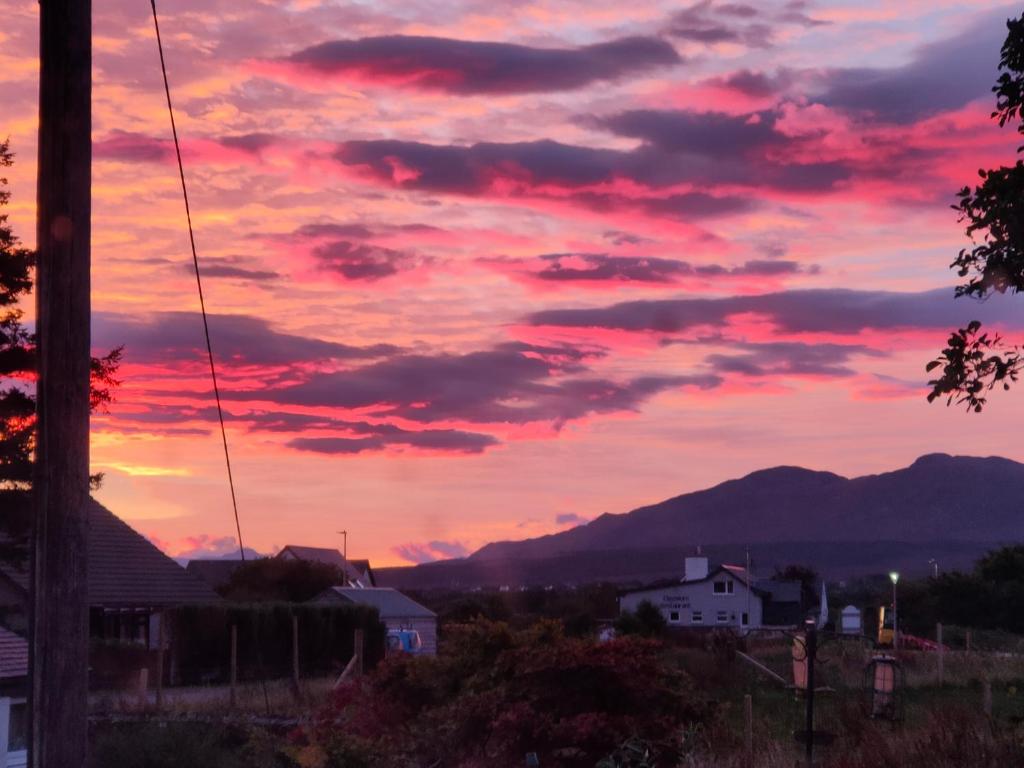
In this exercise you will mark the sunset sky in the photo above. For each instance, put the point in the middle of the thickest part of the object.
(486, 270)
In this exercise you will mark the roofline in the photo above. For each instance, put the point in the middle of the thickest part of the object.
(711, 574)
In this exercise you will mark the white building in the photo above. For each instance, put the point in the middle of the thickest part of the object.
(724, 597)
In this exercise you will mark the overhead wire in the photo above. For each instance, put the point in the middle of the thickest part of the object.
(199, 281)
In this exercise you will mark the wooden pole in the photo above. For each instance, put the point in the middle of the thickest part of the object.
(295, 653)
(357, 653)
(143, 687)
(234, 664)
(160, 661)
(748, 728)
(939, 650)
(59, 624)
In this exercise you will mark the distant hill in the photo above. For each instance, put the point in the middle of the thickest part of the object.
(951, 508)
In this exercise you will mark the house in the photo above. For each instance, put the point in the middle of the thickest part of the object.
(723, 597)
(358, 572)
(397, 611)
(130, 582)
(13, 710)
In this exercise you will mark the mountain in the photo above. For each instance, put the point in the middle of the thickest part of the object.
(951, 508)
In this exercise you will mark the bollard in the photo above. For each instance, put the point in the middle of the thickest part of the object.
(939, 650)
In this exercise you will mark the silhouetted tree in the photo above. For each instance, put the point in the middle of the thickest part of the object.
(17, 378)
(974, 361)
(646, 621)
(808, 578)
(275, 579)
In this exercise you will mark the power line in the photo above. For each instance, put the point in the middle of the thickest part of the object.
(199, 281)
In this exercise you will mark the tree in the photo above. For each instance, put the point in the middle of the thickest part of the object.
(647, 621)
(17, 376)
(808, 578)
(975, 361)
(274, 579)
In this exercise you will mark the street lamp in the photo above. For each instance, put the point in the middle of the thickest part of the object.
(895, 577)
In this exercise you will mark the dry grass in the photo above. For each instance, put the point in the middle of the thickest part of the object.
(276, 698)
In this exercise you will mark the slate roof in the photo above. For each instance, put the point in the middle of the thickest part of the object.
(391, 603)
(13, 654)
(125, 570)
(215, 572)
(354, 569)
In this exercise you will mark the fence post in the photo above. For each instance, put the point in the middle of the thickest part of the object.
(748, 728)
(357, 651)
(968, 640)
(234, 662)
(939, 649)
(295, 652)
(986, 697)
(143, 686)
(160, 661)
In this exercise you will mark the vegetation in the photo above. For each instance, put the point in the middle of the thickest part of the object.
(276, 579)
(496, 694)
(974, 361)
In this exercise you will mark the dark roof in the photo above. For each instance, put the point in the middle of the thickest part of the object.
(324, 555)
(353, 569)
(215, 572)
(13, 654)
(126, 570)
(730, 570)
(391, 603)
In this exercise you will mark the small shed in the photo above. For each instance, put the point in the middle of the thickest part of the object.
(397, 611)
(850, 620)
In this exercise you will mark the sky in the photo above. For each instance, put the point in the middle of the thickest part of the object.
(486, 270)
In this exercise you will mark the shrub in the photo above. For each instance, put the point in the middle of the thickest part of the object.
(495, 694)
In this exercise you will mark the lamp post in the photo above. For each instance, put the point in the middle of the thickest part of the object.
(895, 577)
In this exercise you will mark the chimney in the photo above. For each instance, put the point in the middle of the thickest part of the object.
(695, 568)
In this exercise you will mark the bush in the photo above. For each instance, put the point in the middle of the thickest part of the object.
(496, 694)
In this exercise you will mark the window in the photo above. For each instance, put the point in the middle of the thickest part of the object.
(697, 617)
(673, 616)
(723, 617)
(723, 587)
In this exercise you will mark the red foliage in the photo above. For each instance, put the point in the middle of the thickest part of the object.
(495, 695)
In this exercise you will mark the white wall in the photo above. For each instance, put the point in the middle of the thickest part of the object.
(688, 598)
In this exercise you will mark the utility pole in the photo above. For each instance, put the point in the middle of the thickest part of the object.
(59, 608)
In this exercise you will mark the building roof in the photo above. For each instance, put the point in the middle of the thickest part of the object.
(216, 572)
(391, 603)
(730, 570)
(126, 570)
(353, 569)
(13, 654)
